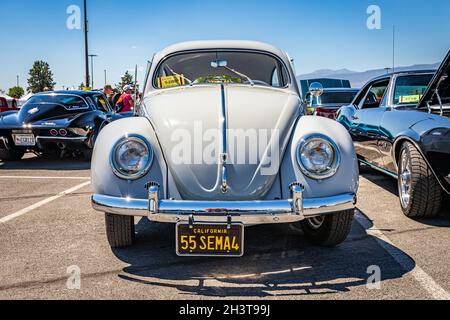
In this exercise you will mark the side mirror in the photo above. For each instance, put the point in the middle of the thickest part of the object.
(219, 64)
(316, 89)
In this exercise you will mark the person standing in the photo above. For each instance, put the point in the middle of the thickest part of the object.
(109, 94)
(126, 103)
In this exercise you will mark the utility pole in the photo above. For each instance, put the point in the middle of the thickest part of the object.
(17, 80)
(105, 78)
(92, 56)
(86, 46)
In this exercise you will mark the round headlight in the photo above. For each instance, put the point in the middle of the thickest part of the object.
(131, 158)
(318, 157)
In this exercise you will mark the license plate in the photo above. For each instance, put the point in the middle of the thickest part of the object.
(24, 140)
(214, 240)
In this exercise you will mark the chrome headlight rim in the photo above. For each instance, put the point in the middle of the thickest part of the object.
(336, 161)
(116, 168)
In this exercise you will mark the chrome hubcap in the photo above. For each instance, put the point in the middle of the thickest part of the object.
(405, 180)
(316, 222)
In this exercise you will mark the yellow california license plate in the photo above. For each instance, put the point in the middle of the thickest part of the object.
(216, 240)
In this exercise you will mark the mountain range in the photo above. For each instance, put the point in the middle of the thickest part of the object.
(358, 79)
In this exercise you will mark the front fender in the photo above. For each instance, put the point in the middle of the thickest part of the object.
(346, 179)
(104, 181)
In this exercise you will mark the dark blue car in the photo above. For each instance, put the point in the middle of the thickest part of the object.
(400, 125)
(60, 122)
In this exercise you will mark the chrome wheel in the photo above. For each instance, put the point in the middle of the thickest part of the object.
(405, 180)
(316, 222)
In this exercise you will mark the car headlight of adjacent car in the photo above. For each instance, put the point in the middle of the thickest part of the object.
(318, 157)
(131, 157)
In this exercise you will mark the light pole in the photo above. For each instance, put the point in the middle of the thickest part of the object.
(92, 56)
(86, 45)
(105, 78)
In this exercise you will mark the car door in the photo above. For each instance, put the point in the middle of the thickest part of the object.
(365, 122)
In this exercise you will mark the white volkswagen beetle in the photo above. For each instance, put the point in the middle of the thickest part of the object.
(223, 144)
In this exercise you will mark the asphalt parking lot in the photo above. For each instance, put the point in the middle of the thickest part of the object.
(47, 226)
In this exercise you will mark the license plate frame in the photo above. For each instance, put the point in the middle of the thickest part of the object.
(31, 142)
(236, 229)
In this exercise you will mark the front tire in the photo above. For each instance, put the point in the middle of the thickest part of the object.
(119, 230)
(419, 191)
(330, 230)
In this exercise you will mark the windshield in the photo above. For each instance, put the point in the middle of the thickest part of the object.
(235, 67)
(70, 102)
(337, 97)
(410, 89)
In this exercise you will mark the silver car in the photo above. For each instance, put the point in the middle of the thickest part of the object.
(223, 144)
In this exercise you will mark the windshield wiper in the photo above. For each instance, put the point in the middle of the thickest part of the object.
(179, 75)
(241, 75)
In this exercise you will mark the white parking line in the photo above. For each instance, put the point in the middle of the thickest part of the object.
(425, 280)
(44, 177)
(43, 202)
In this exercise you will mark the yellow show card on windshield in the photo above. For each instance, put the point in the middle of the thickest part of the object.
(410, 99)
(171, 81)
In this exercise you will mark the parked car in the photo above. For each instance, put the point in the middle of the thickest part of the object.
(224, 145)
(400, 125)
(325, 82)
(328, 103)
(61, 121)
(4, 106)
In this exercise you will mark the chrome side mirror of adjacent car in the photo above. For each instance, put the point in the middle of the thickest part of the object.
(316, 89)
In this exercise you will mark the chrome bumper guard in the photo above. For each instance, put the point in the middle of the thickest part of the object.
(246, 212)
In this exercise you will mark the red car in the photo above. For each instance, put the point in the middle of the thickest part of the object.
(5, 107)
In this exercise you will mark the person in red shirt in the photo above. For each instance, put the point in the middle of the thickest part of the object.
(126, 99)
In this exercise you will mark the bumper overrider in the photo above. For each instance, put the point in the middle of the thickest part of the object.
(247, 212)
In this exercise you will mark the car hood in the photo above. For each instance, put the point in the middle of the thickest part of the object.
(189, 124)
(440, 82)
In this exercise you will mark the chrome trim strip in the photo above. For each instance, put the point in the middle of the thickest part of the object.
(224, 155)
(5, 142)
(61, 138)
(247, 212)
(393, 175)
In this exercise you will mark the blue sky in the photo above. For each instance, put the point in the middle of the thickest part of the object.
(326, 34)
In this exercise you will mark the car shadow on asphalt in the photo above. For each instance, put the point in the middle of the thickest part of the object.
(278, 261)
(31, 162)
(390, 184)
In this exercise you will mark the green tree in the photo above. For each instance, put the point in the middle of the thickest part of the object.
(16, 92)
(40, 78)
(126, 79)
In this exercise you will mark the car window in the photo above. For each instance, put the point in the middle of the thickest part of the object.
(375, 95)
(235, 67)
(337, 97)
(3, 103)
(101, 103)
(70, 102)
(410, 89)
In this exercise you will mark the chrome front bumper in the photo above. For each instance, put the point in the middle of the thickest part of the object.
(246, 212)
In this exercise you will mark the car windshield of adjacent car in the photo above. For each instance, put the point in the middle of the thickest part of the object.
(215, 67)
(409, 89)
(337, 97)
(69, 101)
